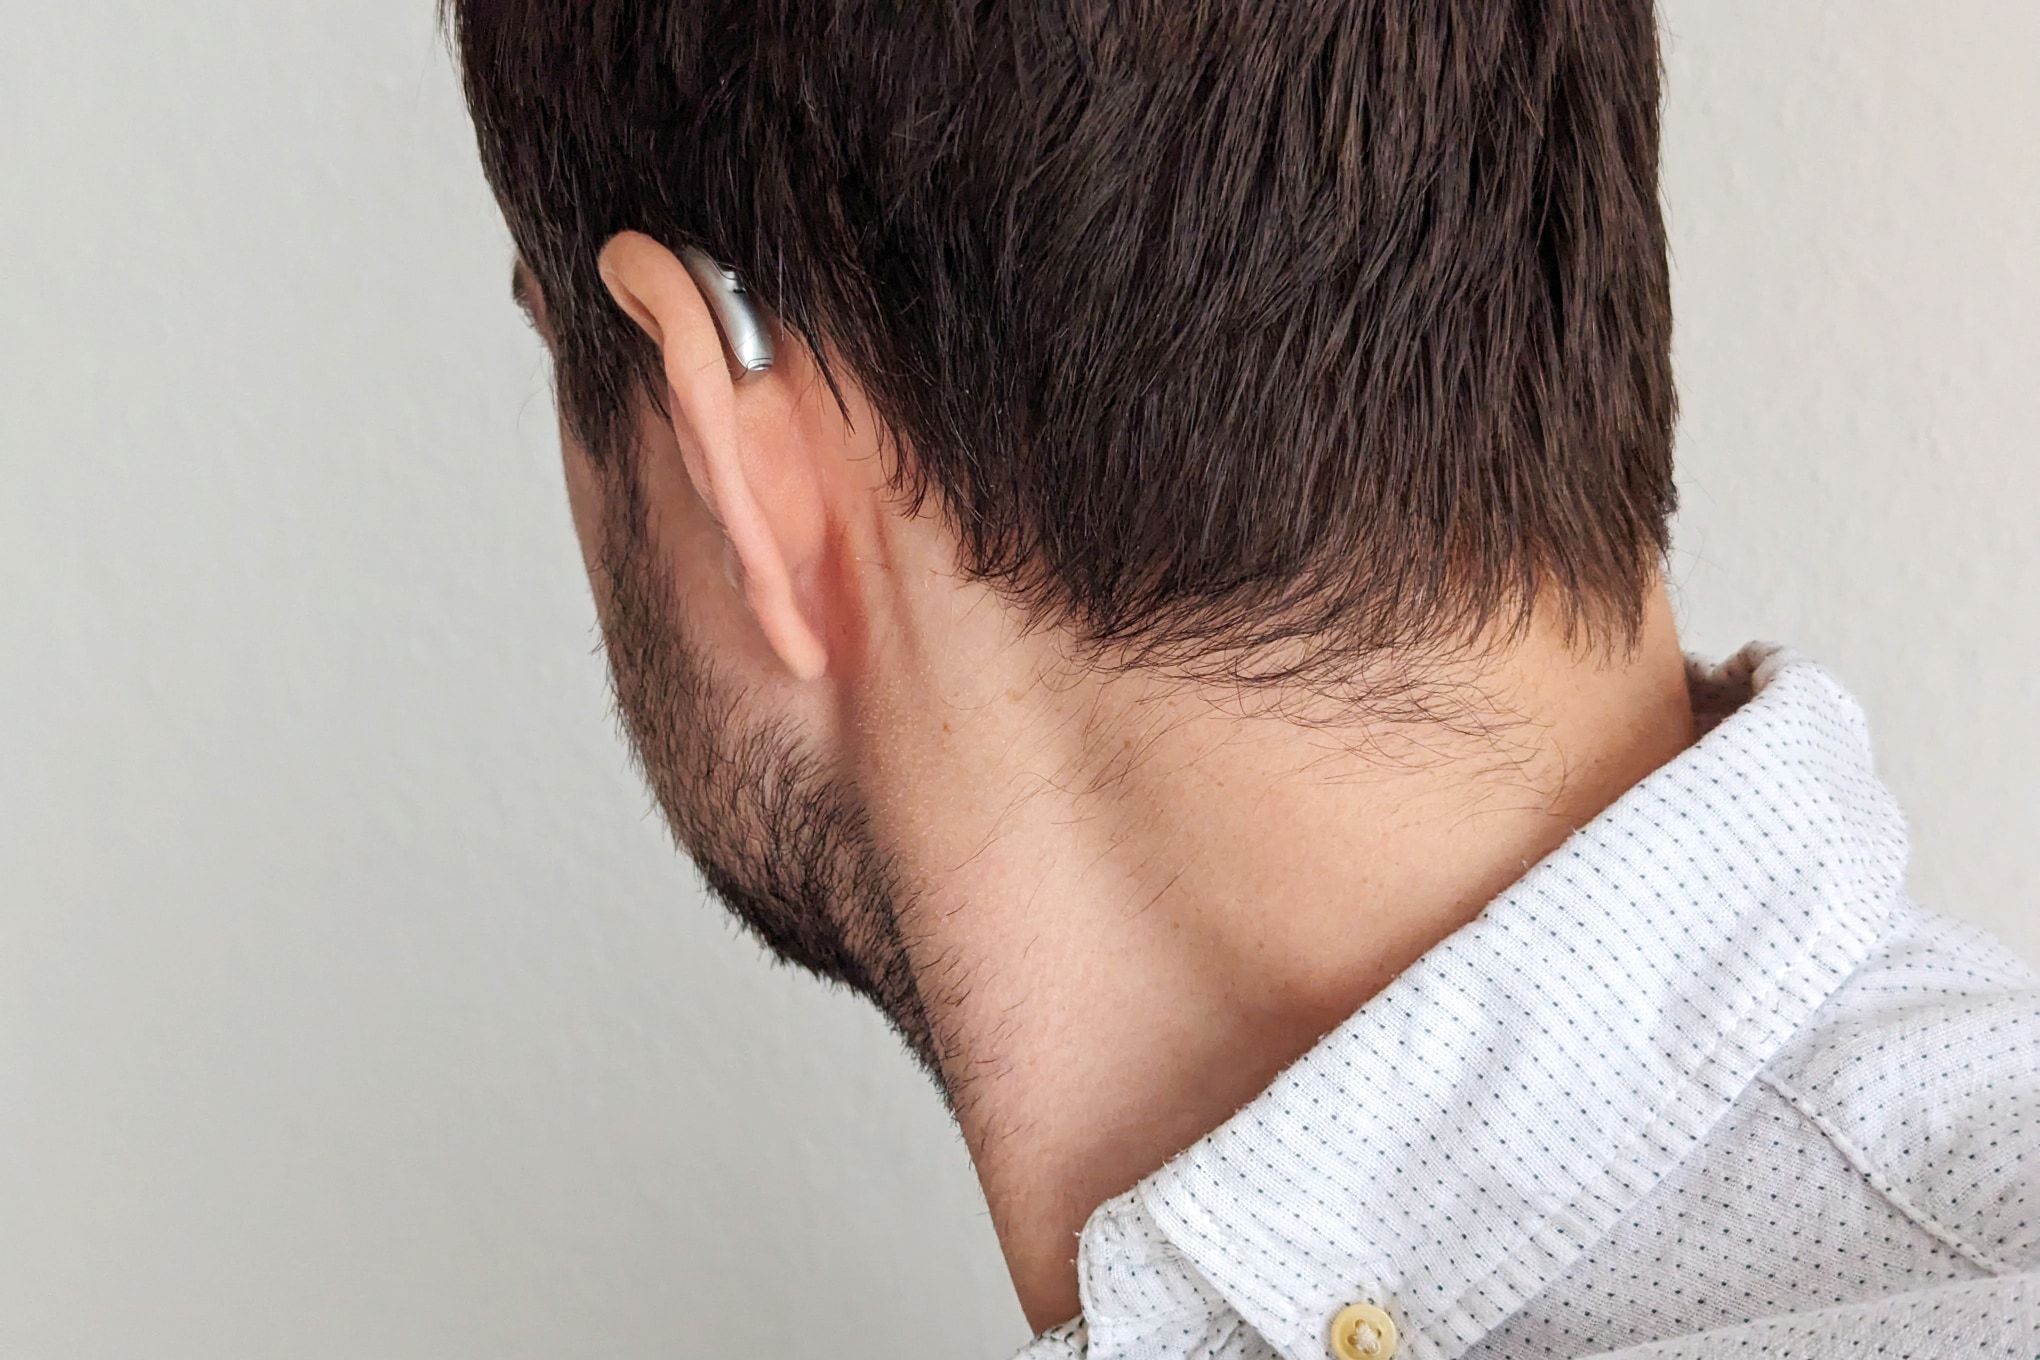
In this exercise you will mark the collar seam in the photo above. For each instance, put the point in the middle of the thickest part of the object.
(1825, 961)
(1746, 1033)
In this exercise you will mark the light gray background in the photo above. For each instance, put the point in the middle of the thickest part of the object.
(351, 1005)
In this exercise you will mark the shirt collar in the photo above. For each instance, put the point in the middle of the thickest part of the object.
(1456, 1143)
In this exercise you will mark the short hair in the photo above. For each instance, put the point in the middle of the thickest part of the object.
(1218, 330)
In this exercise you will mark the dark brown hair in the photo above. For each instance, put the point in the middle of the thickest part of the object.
(1212, 325)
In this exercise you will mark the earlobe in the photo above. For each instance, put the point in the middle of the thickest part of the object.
(734, 446)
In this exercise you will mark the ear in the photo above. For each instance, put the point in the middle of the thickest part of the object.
(741, 448)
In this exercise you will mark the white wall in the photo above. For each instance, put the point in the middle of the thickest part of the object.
(351, 1005)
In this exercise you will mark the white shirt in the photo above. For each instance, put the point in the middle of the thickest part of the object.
(1705, 1082)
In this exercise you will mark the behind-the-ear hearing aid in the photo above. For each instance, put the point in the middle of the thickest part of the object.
(743, 329)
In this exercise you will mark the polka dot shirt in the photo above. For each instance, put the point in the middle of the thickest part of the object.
(1705, 1082)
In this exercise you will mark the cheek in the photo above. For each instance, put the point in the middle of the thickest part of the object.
(582, 495)
(691, 561)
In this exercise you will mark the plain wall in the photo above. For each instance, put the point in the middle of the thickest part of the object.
(351, 1002)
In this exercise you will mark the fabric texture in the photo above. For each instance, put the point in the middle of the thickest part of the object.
(1703, 1082)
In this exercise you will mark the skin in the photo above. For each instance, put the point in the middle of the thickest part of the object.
(1103, 908)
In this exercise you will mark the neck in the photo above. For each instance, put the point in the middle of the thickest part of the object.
(1132, 908)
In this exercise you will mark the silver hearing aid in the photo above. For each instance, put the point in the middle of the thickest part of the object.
(743, 329)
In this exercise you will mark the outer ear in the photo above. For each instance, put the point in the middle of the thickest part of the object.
(733, 476)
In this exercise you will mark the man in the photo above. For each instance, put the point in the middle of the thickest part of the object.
(1148, 567)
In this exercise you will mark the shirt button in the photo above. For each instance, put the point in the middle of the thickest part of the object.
(1361, 1331)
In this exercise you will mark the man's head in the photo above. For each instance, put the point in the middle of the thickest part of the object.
(1240, 344)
